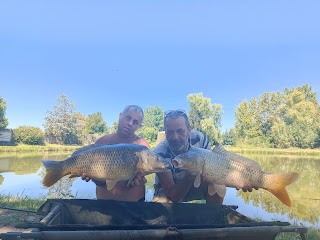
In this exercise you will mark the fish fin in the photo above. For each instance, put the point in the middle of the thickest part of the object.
(53, 172)
(84, 149)
(221, 150)
(216, 188)
(74, 175)
(197, 181)
(111, 184)
(278, 184)
(211, 189)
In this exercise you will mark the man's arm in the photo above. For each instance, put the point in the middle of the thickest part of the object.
(175, 191)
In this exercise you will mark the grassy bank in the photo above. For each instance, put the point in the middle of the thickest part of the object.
(312, 234)
(276, 151)
(246, 149)
(21, 202)
(38, 149)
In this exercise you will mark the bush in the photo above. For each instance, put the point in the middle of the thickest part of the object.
(28, 135)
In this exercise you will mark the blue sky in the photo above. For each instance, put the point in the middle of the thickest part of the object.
(106, 54)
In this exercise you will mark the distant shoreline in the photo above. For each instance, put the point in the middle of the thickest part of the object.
(278, 151)
(54, 148)
(38, 148)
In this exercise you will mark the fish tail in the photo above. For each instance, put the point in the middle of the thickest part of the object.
(53, 172)
(278, 186)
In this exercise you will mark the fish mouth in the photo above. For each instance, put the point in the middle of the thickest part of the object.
(176, 163)
(163, 168)
(166, 165)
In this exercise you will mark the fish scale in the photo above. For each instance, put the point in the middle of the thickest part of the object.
(221, 169)
(103, 165)
(110, 163)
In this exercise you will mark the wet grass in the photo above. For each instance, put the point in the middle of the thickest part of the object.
(312, 234)
(20, 202)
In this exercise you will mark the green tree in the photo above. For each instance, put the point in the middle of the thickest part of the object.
(247, 122)
(270, 108)
(61, 124)
(280, 135)
(78, 129)
(229, 137)
(28, 135)
(95, 124)
(149, 133)
(302, 116)
(152, 123)
(114, 127)
(3, 120)
(200, 108)
(153, 117)
(317, 140)
(208, 127)
(289, 119)
(204, 116)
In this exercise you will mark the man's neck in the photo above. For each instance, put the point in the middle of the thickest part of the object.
(123, 136)
(176, 153)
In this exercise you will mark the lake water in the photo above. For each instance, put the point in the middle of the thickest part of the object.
(21, 175)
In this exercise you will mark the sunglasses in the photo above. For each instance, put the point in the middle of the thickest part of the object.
(180, 112)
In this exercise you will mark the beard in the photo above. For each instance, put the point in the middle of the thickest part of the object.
(177, 145)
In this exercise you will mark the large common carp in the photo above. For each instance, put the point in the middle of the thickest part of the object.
(109, 163)
(221, 169)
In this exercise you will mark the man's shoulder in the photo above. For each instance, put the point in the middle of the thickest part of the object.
(162, 147)
(106, 139)
(198, 139)
(196, 133)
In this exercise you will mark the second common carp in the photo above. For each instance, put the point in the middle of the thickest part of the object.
(108, 163)
(221, 168)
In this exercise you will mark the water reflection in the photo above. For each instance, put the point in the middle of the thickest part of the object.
(304, 193)
(22, 174)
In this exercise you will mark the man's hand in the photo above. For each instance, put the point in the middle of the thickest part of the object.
(85, 177)
(248, 188)
(139, 179)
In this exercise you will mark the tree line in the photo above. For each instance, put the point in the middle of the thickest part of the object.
(279, 120)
